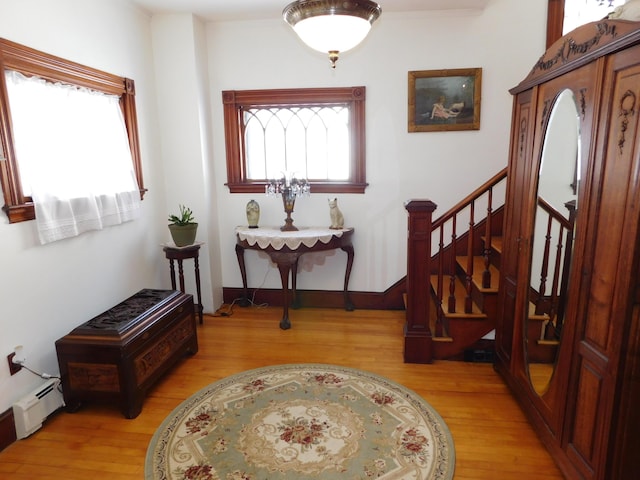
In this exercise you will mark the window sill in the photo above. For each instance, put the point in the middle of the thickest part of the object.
(27, 211)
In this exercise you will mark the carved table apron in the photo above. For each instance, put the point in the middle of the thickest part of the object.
(285, 248)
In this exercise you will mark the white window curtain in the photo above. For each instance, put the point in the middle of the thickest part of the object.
(73, 151)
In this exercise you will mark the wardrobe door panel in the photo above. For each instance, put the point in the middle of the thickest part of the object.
(561, 165)
(518, 179)
(614, 264)
(585, 436)
(610, 290)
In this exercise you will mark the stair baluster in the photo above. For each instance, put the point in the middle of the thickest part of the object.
(568, 253)
(553, 307)
(441, 322)
(486, 275)
(469, 267)
(452, 267)
(541, 306)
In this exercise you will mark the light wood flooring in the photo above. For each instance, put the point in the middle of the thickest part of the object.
(493, 439)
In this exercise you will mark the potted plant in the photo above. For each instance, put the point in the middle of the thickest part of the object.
(183, 227)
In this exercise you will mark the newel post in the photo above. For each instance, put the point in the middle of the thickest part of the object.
(417, 334)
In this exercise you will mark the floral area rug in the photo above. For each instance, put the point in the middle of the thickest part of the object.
(305, 421)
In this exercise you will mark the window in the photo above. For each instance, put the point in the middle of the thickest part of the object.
(577, 13)
(317, 134)
(18, 204)
(563, 16)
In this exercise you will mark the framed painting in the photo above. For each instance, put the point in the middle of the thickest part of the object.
(442, 100)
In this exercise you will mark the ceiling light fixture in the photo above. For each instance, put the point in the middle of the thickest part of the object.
(332, 26)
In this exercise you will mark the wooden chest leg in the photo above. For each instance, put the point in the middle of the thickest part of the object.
(133, 405)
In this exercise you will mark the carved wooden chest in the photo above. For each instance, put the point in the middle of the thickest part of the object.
(119, 354)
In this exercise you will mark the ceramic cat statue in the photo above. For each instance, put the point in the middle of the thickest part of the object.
(337, 219)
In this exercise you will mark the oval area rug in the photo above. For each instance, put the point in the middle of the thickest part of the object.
(302, 421)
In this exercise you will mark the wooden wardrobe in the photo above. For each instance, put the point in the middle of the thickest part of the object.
(587, 410)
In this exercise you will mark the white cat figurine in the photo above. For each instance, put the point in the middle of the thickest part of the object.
(337, 219)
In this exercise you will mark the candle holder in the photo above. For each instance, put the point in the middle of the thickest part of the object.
(289, 187)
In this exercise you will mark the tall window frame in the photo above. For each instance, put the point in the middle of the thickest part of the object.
(235, 102)
(30, 62)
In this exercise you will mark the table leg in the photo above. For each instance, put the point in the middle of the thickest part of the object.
(285, 268)
(348, 306)
(244, 302)
(173, 274)
(181, 275)
(295, 301)
(197, 272)
(285, 260)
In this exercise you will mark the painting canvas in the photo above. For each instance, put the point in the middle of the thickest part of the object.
(441, 100)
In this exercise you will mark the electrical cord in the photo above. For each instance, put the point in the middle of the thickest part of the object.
(227, 311)
(253, 296)
(46, 376)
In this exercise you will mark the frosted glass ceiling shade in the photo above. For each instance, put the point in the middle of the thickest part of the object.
(346, 32)
(332, 26)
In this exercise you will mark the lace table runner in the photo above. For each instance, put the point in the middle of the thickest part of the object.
(274, 237)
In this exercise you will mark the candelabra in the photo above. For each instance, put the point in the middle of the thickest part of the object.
(290, 188)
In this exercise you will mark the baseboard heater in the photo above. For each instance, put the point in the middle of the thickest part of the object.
(34, 408)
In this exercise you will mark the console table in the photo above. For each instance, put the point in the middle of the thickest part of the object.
(285, 248)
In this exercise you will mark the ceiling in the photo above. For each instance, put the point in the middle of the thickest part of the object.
(271, 9)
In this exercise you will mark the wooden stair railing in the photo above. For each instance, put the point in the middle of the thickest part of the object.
(442, 262)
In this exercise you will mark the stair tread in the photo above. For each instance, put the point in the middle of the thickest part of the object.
(442, 339)
(543, 317)
(460, 294)
(496, 243)
(478, 269)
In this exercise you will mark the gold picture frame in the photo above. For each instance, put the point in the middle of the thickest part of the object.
(443, 100)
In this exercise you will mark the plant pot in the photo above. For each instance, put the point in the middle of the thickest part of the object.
(183, 235)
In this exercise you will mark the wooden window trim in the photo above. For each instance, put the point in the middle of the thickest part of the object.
(555, 20)
(235, 100)
(30, 62)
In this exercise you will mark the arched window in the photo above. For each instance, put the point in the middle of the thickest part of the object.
(316, 134)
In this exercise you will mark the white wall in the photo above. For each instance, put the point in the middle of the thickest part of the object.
(184, 117)
(49, 290)
(504, 40)
(46, 291)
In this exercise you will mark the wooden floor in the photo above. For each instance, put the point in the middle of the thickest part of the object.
(492, 437)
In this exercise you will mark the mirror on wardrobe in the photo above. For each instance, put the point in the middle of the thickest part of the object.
(552, 239)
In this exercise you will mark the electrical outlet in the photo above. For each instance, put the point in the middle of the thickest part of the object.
(13, 367)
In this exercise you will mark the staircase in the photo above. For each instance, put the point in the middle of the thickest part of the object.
(453, 274)
(464, 317)
(464, 272)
